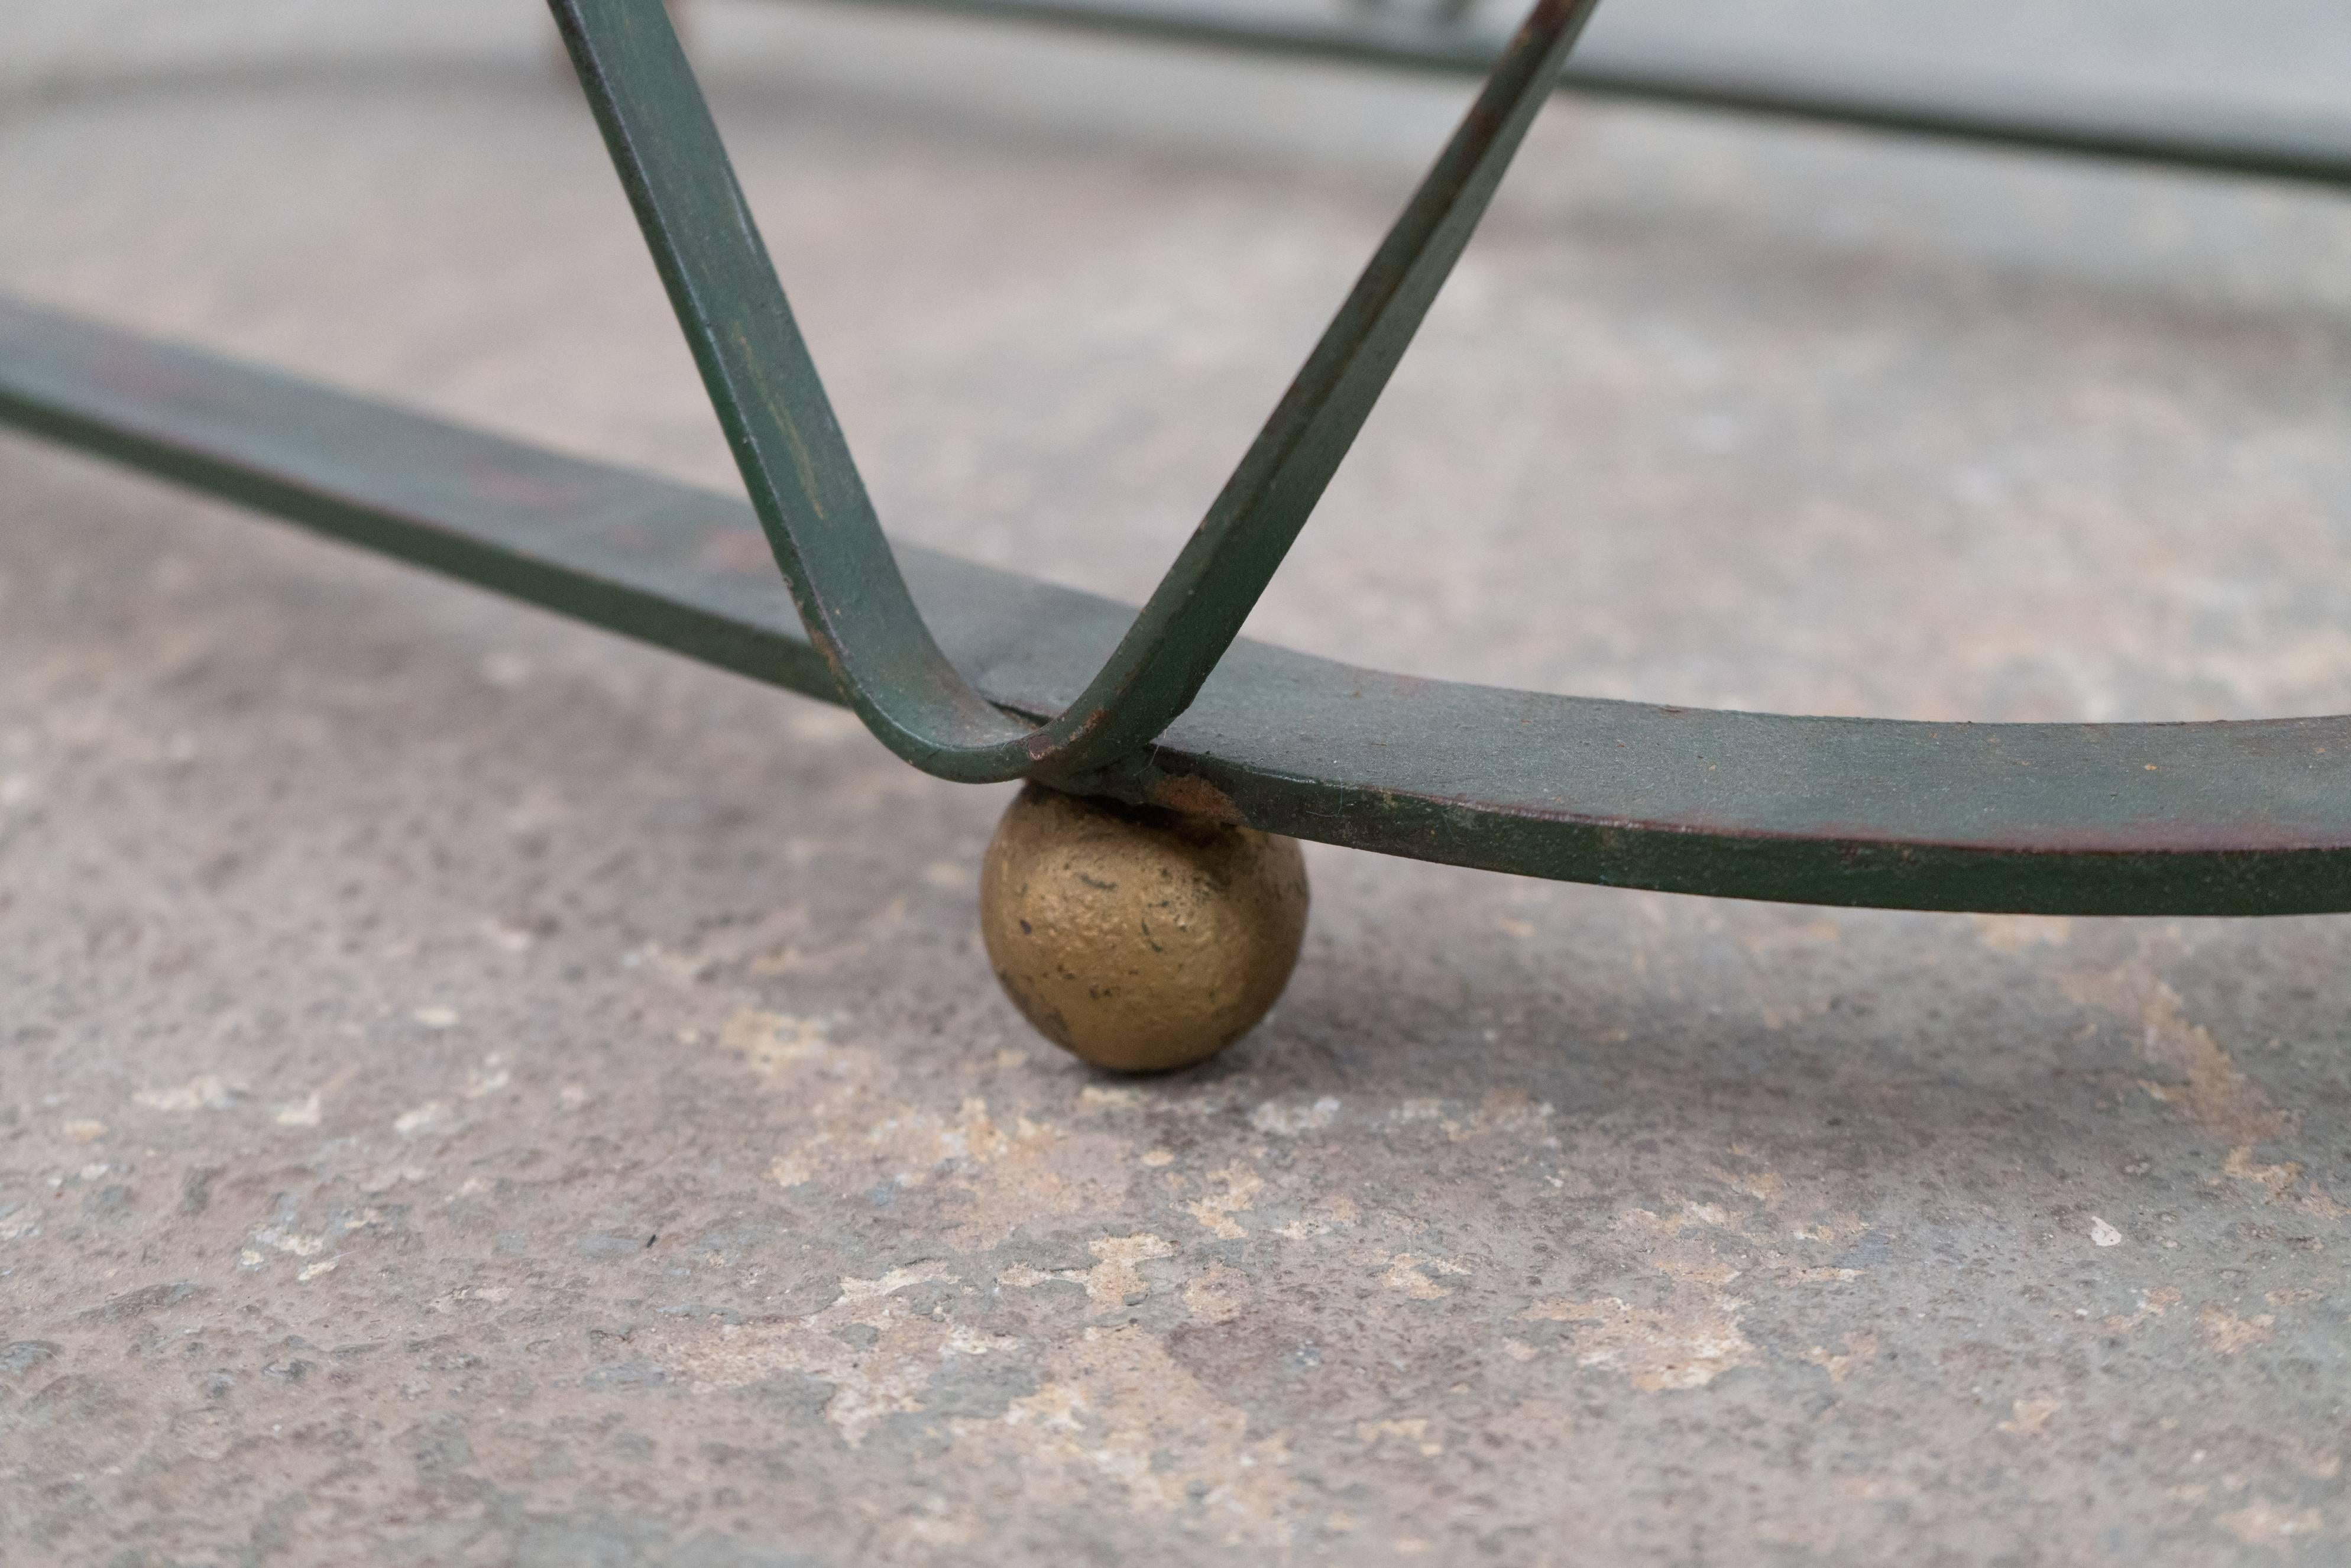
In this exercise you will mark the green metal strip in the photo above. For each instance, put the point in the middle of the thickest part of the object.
(2304, 148)
(2141, 819)
(805, 487)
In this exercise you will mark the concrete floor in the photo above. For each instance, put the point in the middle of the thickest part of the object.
(476, 1091)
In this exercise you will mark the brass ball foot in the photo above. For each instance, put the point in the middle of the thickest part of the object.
(1139, 939)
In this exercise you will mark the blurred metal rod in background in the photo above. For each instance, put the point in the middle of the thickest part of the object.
(2308, 149)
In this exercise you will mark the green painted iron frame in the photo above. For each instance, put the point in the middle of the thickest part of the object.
(976, 674)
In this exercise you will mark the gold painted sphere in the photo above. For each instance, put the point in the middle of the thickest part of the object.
(1142, 940)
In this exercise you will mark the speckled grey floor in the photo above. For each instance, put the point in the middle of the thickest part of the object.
(473, 1092)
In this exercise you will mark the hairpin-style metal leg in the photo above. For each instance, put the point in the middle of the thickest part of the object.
(813, 502)
(1141, 940)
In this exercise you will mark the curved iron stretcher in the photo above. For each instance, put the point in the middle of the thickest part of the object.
(2222, 141)
(975, 673)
